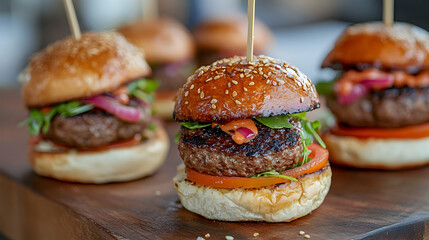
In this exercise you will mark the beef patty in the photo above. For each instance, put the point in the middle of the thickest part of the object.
(212, 151)
(95, 128)
(389, 108)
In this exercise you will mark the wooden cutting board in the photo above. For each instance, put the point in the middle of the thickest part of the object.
(360, 205)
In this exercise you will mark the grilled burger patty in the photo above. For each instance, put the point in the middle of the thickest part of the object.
(95, 128)
(389, 108)
(212, 151)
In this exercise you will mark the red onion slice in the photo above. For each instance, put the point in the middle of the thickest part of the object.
(379, 83)
(357, 92)
(245, 132)
(111, 105)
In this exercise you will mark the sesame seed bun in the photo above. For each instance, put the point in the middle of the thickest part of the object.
(230, 34)
(232, 89)
(71, 69)
(163, 40)
(278, 203)
(377, 153)
(373, 44)
(111, 165)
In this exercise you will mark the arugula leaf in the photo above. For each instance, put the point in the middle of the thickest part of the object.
(143, 95)
(300, 116)
(276, 122)
(193, 125)
(146, 85)
(176, 137)
(310, 128)
(273, 173)
(325, 88)
(39, 121)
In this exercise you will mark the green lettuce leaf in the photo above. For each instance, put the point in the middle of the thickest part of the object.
(276, 122)
(325, 88)
(194, 125)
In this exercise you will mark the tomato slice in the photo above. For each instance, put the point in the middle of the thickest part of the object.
(319, 159)
(417, 131)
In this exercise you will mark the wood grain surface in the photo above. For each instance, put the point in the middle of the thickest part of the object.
(360, 205)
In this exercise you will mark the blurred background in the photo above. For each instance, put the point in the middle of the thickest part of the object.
(304, 30)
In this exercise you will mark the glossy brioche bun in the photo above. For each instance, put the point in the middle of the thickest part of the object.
(388, 154)
(372, 44)
(163, 40)
(279, 203)
(230, 34)
(112, 165)
(71, 69)
(232, 89)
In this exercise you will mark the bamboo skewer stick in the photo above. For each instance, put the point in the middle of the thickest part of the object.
(71, 16)
(388, 12)
(250, 28)
(150, 9)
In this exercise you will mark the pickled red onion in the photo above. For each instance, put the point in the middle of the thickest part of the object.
(111, 105)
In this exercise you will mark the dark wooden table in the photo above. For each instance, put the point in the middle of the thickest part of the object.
(360, 204)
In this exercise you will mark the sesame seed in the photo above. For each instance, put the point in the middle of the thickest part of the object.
(237, 102)
(256, 234)
(281, 82)
(199, 90)
(214, 100)
(229, 238)
(232, 74)
(235, 82)
(186, 102)
(234, 93)
(268, 82)
(245, 89)
(250, 67)
(251, 83)
(301, 99)
(226, 91)
(307, 236)
(274, 83)
(186, 93)
(255, 72)
(277, 66)
(261, 73)
(260, 69)
(200, 238)
(216, 77)
(213, 106)
(301, 232)
(192, 87)
(270, 73)
(265, 75)
(241, 75)
(202, 95)
(229, 84)
(208, 80)
(207, 235)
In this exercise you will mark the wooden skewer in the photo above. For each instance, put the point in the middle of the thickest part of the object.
(250, 28)
(150, 9)
(388, 12)
(71, 16)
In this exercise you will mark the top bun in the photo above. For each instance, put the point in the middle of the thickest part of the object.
(373, 44)
(232, 89)
(71, 69)
(163, 40)
(230, 34)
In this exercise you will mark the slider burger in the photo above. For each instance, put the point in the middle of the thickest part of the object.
(246, 144)
(227, 37)
(90, 114)
(169, 49)
(380, 97)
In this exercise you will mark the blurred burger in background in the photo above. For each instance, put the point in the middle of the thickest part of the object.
(90, 111)
(380, 97)
(169, 49)
(227, 37)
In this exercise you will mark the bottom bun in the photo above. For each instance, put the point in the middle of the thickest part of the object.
(113, 165)
(374, 153)
(164, 105)
(279, 203)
